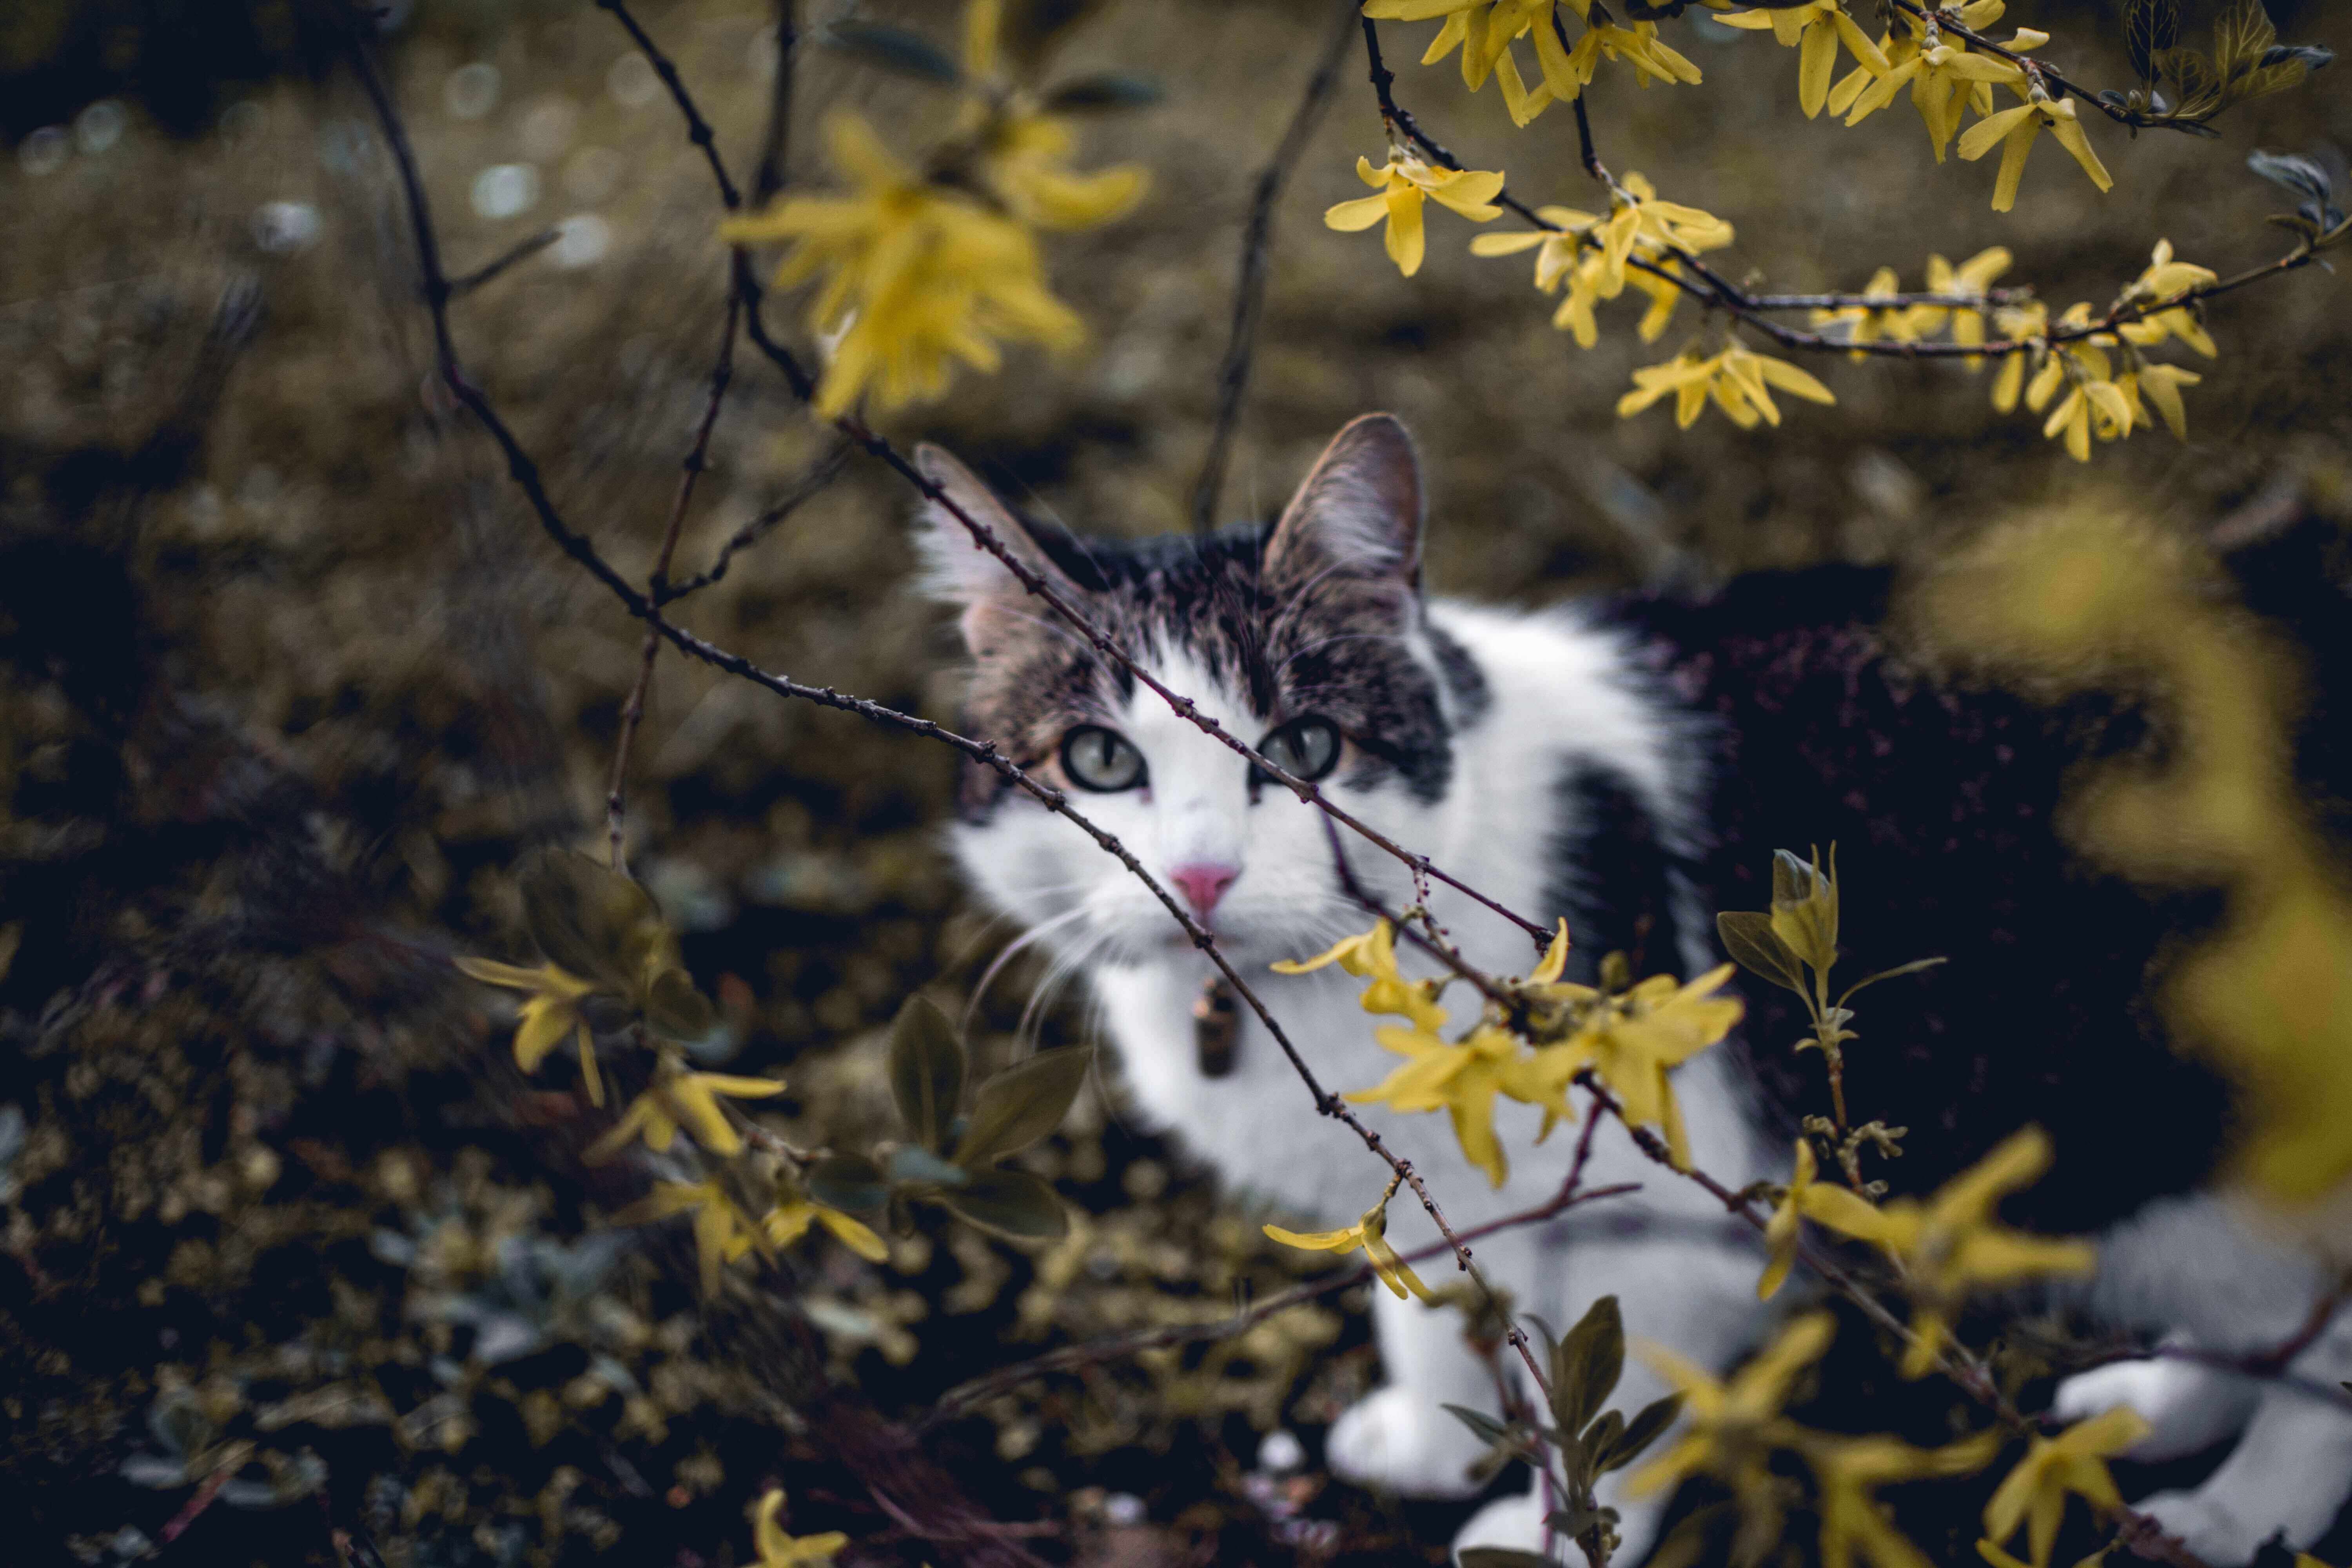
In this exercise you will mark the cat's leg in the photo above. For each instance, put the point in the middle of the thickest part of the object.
(1400, 1438)
(2290, 1472)
(2188, 1406)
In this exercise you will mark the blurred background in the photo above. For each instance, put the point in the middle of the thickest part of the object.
(293, 678)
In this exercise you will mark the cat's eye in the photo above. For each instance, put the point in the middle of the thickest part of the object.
(1100, 759)
(1305, 748)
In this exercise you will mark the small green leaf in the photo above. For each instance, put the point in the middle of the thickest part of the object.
(1010, 1203)
(1096, 94)
(1750, 940)
(675, 1009)
(1805, 906)
(1483, 1425)
(1914, 967)
(1606, 1429)
(926, 1066)
(2150, 26)
(850, 1183)
(896, 50)
(1586, 1365)
(1642, 1431)
(1023, 1104)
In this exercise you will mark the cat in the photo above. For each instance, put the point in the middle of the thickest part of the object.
(1626, 764)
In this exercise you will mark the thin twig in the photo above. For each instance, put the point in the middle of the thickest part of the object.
(826, 470)
(768, 178)
(468, 282)
(1258, 252)
(722, 372)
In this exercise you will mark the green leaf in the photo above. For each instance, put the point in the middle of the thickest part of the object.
(592, 920)
(1585, 1365)
(2150, 26)
(896, 50)
(1602, 1436)
(1914, 967)
(1010, 1203)
(1023, 1104)
(1483, 1425)
(1096, 94)
(850, 1183)
(926, 1066)
(1805, 906)
(1642, 1431)
(675, 1009)
(1750, 940)
(1503, 1557)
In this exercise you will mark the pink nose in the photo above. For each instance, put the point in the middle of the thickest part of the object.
(1204, 885)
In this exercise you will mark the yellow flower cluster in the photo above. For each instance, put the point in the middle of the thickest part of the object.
(2109, 384)
(1916, 323)
(1404, 182)
(777, 1550)
(1943, 76)
(1483, 30)
(921, 271)
(1738, 380)
(1627, 1039)
(1595, 254)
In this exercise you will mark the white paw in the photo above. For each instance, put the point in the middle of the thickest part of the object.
(2212, 1533)
(1391, 1441)
(1517, 1522)
(2188, 1407)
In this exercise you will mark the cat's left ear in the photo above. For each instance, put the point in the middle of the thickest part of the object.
(998, 612)
(1358, 514)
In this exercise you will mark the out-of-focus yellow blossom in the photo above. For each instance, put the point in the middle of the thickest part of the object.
(1732, 1427)
(791, 1218)
(2160, 384)
(1951, 1244)
(2094, 404)
(1369, 1233)
(1867, 323)
(1028, 167)
(1968, 280)
(916, 275)
(2017, 324)
(689, 1100)
(1405, 182)
(2013, 132)
(1739, 380)
(549, 1012)
(1656, 1025)
(1807, 1199)
(2034, 1493)
(778, 1550)
(1373, 956)
(1815, 30)
(1849, 1472)
(722, 1232)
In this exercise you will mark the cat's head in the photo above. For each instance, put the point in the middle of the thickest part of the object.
(1306, 639)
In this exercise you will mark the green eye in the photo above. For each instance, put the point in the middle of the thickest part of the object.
(1100, 759)
(1305, 748)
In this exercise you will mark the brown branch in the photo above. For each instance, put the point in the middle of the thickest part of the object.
(1257, 247)
(471, 281)
(770, 177)
(812, 484)
(722, 372)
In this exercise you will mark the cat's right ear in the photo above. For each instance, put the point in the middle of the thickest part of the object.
(997, 609)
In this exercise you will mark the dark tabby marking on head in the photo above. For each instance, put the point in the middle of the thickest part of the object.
(1316, 613)
(1611, 881)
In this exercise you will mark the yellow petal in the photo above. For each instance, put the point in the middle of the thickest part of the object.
(1349, 217)
(1985, 135)
(859, 1239)
(2069, 131)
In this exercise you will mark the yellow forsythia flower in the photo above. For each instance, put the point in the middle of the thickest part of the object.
(1369, 1233)
(1951, 1244)
(2034, 1493)
(1373, 956)
(689, 1100)
(790, 1219)
(1807, 1199)
(1732, 1427)
(1850, 1470)
(916, 274)
(2013, 132)
(1738, 380)
(552, 1011)
(722, 1232)
(1463, 1078)
(778, 1550)
(1815, 30)
(1405, 182)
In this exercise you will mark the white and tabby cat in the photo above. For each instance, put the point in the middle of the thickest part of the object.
(1626, 766)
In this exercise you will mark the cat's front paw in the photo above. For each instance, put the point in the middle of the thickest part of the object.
(2188, 1407)
(1394, 1442)
(2213, 1533)
(1515, 1522)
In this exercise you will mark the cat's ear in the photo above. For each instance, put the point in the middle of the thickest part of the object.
(996, 607)
(1357, 515)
